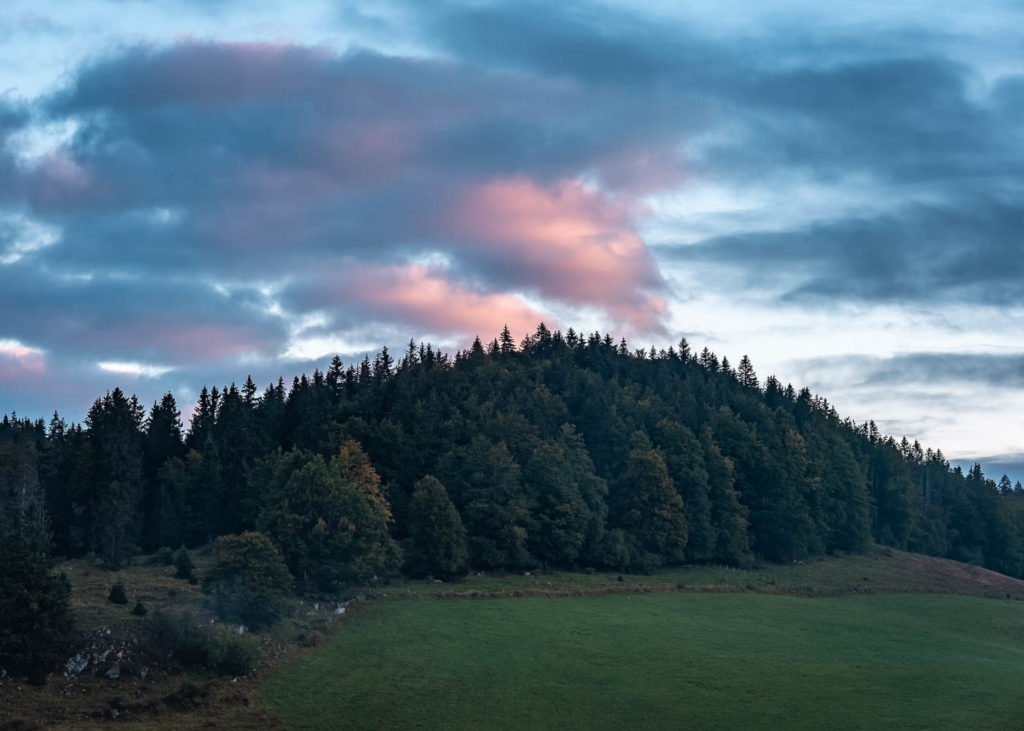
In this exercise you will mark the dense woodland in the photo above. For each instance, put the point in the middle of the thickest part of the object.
(563, 450)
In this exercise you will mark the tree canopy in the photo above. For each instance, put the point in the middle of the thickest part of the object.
(564, 450)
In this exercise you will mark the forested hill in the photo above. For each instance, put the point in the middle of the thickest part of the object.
(558, 451)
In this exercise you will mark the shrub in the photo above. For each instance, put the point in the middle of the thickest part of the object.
(183, 564)
(247, 578)
(140, 610)
(164, 556)
(36, 630)
(231, 654)
(117, 594)
(177, 636)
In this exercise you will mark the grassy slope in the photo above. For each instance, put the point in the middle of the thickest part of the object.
(666, 661)
(155, 701)
(883, 646)
(882, 570)
(233, 704)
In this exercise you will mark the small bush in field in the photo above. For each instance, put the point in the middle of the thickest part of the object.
(183, 564)
(117, 594)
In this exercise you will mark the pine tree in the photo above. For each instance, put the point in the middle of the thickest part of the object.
(162, 441)
(646, 506)
(115, 430)
(22, 502)
(745, 373)
(505, 342)
(437, 537)
(37, 630)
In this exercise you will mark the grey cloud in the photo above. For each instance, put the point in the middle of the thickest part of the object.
(995, 466)
(997, 370)
(158, 320)
(968, 250)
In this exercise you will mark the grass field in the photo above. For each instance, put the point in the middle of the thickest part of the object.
(670, 660)
(881, 570)
(842, 641)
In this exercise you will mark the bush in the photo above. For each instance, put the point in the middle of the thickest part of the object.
(117, 594)
(36, 630)
(183, 564)
(232, 654)
(164, 556)
(140, 610)
(247, 579)
(177, 637)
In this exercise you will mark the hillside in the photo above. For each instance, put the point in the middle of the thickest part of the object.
(655, 661)
(563, 451)
(168, 697)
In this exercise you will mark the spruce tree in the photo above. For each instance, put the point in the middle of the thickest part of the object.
(646, 506)
(437, 537)
(37, 630)
(115, 430)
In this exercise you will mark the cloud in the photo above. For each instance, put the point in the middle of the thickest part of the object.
(286, 158)
(134, 370)
(997, 370)
(209, 203)
(105, 316)
(425, 298)
(959, 251)
(567, 241)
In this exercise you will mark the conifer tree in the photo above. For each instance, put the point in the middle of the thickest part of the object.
(437, 537)
(22, 502)
(37, 630)
(646, 506)
(505, 341)
(745, 373)
(162, 442)
(115, 429)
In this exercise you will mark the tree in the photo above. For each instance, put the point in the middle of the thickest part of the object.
(437, 537)
(183, 565)
(558, 510)
(684, 460)
(329, 519)
(646, 506)
(247, 579)
(486, 484)
(115, 431)
(162, 441)
(37, 630)
(745, 373)
(505, 341)
(1004, 485)
(117, 594)
(22, 502)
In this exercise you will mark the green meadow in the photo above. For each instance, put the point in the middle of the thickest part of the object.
(665, 660)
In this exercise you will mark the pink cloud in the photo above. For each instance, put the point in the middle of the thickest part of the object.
(60, 182)
(567, 240)
(425, 296)
(18, 361)
(187, 343)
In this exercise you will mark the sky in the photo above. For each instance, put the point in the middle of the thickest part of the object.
(193, 191)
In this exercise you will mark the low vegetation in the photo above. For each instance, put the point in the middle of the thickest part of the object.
(149, 692)
(661, 661)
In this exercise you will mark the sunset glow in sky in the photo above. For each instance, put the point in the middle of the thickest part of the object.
(194, 191)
